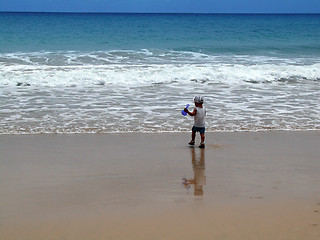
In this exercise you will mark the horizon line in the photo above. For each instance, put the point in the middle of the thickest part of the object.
(235, 13)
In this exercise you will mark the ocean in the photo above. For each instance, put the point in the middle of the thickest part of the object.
(115, 73)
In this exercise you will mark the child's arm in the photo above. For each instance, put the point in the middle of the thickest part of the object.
(191, 113)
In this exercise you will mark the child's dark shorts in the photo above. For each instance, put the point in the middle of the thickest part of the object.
(198, 129)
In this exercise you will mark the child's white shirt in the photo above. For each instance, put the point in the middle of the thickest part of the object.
(199, 117)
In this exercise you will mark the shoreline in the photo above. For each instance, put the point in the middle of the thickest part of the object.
(243, 185)
(161, 132)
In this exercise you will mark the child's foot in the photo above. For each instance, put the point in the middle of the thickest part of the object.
(191, 143)
(202, 145)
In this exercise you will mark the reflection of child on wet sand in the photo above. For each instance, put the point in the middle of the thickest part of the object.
(199, 178)
(199, 113)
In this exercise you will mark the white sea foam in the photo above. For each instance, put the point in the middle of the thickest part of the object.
(130, 91)
(138, 75)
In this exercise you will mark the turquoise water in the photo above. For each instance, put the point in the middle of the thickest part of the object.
(69, 72)
(209, 34)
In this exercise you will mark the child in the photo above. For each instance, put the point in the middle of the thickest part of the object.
(199, 123)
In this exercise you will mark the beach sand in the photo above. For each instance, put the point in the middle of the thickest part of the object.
(244, 185)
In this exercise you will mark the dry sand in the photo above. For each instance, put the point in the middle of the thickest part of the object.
(129, 186)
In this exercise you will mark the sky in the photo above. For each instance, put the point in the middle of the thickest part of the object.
(163, 6)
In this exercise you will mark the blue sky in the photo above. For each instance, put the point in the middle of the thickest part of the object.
(165, 6)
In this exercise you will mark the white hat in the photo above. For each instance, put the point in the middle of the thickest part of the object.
(198, 99)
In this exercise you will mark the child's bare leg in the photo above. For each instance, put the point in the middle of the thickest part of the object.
(202, 145)
(202, 137)
(193, 136)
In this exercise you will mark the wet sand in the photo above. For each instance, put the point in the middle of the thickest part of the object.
(153, 186)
